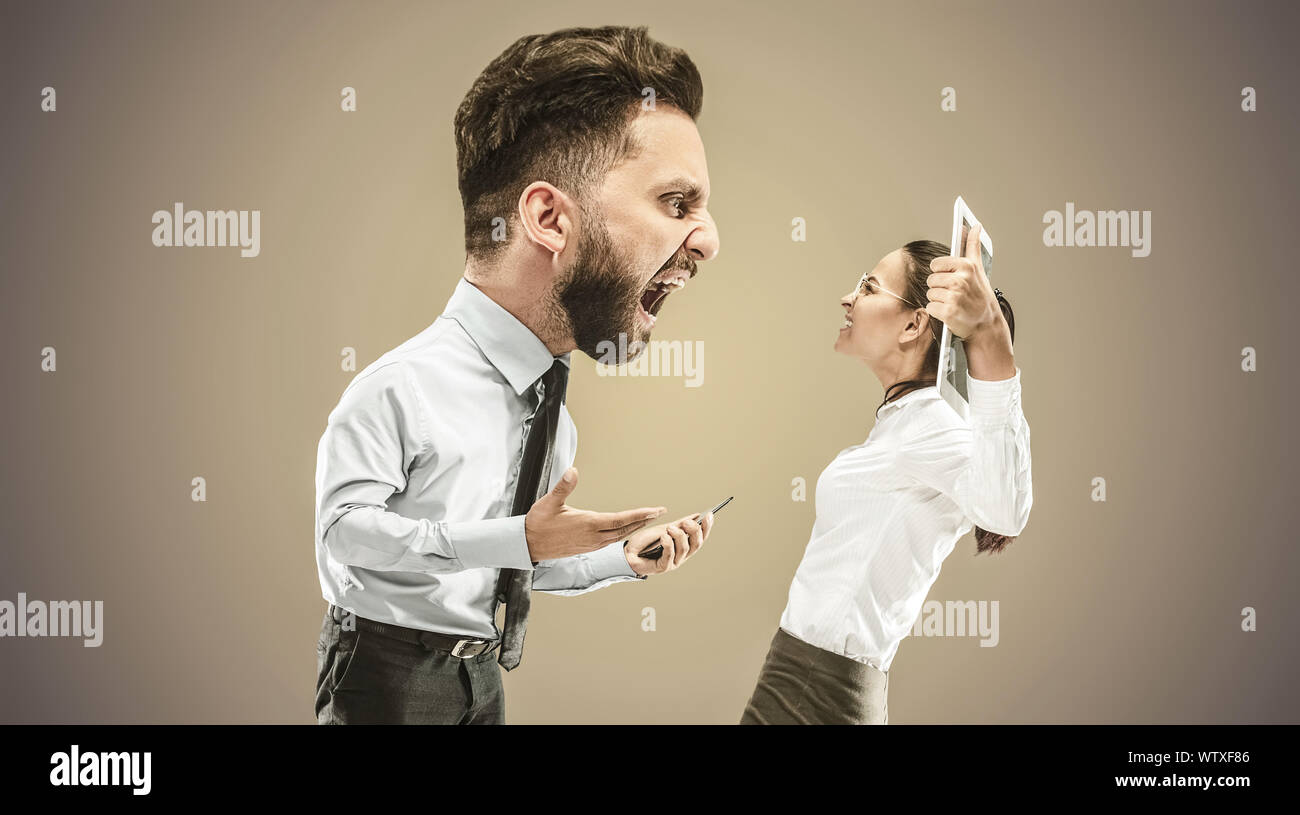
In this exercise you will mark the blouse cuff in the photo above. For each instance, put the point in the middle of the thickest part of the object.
(992, 401)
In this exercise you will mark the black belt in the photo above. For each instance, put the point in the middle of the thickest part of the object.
(460, 647)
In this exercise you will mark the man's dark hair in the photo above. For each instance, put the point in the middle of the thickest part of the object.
(557, 108)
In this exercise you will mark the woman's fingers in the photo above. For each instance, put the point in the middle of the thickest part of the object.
(972, 252)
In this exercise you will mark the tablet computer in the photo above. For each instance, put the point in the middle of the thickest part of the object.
(953, 368)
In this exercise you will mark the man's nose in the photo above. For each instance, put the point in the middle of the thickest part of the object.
(703, 243)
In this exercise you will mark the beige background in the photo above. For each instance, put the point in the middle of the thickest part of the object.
(178, 363)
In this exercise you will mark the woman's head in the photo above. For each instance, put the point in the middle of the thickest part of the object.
(886, 326)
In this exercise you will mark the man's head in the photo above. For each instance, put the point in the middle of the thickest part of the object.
(584, 180)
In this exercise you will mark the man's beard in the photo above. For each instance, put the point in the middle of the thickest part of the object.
(598, 299)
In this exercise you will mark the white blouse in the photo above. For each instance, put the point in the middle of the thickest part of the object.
(890, 510)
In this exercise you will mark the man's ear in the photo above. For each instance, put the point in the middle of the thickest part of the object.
(546, 216)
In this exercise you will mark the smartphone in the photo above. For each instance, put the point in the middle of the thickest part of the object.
(653, 553)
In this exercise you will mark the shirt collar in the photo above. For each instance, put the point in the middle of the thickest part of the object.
(511, 347)
(910, 396)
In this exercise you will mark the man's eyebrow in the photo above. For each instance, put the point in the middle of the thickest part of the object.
(685, 186)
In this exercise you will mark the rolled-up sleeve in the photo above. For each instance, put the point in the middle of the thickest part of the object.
(982, 464)
(371, 440)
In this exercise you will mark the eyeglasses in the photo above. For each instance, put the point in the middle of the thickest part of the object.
(865, 287)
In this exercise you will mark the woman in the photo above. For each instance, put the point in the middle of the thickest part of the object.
(890, 510)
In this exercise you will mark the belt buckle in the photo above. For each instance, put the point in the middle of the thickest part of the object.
(456, 651)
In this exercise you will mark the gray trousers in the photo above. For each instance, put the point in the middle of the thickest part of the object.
(800, 683)
(367, 678)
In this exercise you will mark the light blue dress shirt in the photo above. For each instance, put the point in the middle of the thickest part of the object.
(416, 474)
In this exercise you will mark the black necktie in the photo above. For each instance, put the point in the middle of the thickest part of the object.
(515, 587)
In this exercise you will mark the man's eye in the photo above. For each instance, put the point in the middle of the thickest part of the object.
(677, 206)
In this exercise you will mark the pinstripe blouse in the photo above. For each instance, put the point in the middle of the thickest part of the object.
(889, 510)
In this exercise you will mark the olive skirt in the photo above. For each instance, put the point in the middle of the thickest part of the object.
(803, 684)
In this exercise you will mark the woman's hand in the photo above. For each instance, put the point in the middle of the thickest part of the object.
(961, 296)
(960, 293)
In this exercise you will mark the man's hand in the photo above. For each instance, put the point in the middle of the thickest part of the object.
(554, 530)
(680, 539)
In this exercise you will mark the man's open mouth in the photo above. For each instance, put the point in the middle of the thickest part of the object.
(662, 285)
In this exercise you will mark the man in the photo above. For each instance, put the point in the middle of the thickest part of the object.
(443, 473)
